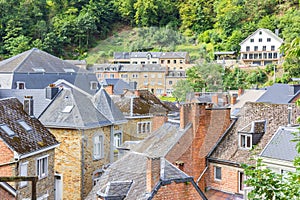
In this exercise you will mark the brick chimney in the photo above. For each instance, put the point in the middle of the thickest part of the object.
(225, 99)
(240, 91)
(233, 99)
(109, 89)
(215, 99)
(152, 173)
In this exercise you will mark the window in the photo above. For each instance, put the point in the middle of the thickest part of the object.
(159, 83)
(268, 39)
(250, 56)
(67, 109)
(70, 70)
(218, 173)
(162, 61)
(170, 82)
(252, 40)
(23, 172)
(20, 85)
(168, 61)
(245, 56)
(264, 48)
(42, 167)
(25, 125)
(245, 141)
(152, 75)
(7, 130)
(260, 32)
(159, 75)
(143, 127)
(260, 40)
(241, 181)
(98, 147)
(112, 76)
(255, 48)
(143, 62)
(154, 62)
(145, 75)
(269, 55)
(272, 48)
(159, 91)
(275, 55)
(94, 85)
(117, 139)
(180, 61)
(247, 48)
(134, 62)
(174, 61)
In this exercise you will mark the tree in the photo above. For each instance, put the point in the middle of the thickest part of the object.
(181, 89)
(292, 58)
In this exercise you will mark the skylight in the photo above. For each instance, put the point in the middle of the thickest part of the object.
(38, 69)
(7, 130)
(67, 109)
(69, 70)
(25, 125)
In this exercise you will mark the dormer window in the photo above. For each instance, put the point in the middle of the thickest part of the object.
(245, 141)
(94, 85)
(70, 70)
(251, 134)
(20, 85)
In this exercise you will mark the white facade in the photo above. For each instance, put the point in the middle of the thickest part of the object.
(261, 48)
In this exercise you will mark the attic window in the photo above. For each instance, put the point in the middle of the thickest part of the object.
(69, 70)
(67, 109)
(20, 85)
(245, 141)
(25, 125)
(38, 69)
(94, 85)
(7, 130)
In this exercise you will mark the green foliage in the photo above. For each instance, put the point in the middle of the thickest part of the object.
(292, 58)
(181, 89)
(234, 79)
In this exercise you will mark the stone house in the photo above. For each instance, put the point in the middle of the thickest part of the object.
(254, 127)
(26, 149)
(143, 110)
(184, 145)
(88, 127)
(261, 48)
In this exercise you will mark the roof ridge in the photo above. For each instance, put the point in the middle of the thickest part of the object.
(26, 57)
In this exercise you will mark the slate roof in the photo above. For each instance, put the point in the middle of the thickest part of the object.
(115, 190)
(119, 85)
(39, 98)
(129, 172)
(38, 69)
(73, 108)
(281, 146)
(105, 105)
(280, 93)
(23, 142)
(146, 104)
(275, 115)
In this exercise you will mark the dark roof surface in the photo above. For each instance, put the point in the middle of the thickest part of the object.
(23, 142)
(39, 98)
(280, 93)
(73, 108)
(37, 69)
(144, 104)
(276, 115)
(281, 146)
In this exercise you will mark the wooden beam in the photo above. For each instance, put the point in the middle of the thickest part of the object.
(33, 179)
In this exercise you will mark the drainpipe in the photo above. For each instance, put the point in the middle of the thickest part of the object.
(82, 163)
(111, 149)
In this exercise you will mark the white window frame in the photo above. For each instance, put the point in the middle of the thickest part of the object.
(144, 127)
(40, 172)
(98, 146)
(94, 85)
(21, 83)
(23, 172)
(215, 173)
(246, 136)
(117, 139)
(241, 184)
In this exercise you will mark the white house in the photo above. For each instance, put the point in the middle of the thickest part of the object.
(261, 48)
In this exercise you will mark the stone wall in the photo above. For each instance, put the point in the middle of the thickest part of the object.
(45, 185)
(130, 129)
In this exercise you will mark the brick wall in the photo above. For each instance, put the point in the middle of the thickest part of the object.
(229, 181)
(6, 195)
(157, 122)
(174, 190)
(6, 156)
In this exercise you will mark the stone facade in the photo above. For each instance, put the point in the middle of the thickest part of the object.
(45, 186)
(74, 159)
